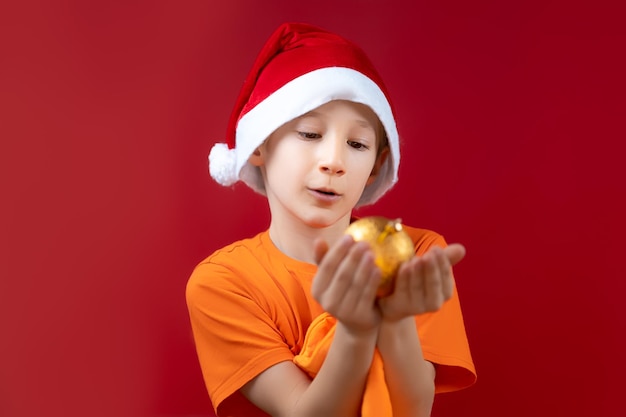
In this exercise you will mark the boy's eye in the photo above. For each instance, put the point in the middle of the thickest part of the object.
(309, 135)
(357, 145)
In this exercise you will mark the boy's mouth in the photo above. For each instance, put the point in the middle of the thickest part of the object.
(326, 192)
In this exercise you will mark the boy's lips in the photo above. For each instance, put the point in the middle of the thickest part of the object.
(327, 194)
(328, 191)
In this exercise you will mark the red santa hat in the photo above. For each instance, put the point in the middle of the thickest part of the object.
(299, 68)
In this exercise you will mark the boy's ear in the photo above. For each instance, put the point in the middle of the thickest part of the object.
(380, 160)
(256, 158)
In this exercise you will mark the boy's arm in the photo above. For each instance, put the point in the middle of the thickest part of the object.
(345, 286)
(410, 379)
(423, 284)
(337, 390)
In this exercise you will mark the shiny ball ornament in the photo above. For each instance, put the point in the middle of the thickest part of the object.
(390, 243)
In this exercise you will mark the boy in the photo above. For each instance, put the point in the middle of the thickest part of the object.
(313, 130)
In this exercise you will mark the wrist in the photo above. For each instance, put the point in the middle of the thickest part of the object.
(398, 334)
(358, 335)
(406, 323)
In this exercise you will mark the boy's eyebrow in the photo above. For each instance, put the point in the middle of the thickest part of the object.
(311, 113)
(360, 122)
(364, 123)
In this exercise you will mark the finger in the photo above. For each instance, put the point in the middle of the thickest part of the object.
(366, 277)
(408, 294)
(414, 287)
(447, 280)
(455, 252)
(432, 280)
(344, 274)
(403, 276)
(320, 247)
(329, 264)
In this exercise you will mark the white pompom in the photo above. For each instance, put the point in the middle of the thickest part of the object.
(223, 164)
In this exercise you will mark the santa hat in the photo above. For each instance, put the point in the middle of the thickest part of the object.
(299, 68)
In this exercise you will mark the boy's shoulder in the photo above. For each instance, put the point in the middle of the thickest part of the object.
(238, 253)
(421, 235)
(424, 239)
(238, 266)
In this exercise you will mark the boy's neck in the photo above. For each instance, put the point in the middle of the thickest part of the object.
(296, 239)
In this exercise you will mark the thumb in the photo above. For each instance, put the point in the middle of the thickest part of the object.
(320, 247)
(455, 252)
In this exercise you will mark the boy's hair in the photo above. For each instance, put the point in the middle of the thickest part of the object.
(300, 68)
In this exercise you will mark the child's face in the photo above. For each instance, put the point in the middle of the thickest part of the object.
(316, 166)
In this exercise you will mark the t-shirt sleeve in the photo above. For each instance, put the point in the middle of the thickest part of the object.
(443, 336)
(235, 337)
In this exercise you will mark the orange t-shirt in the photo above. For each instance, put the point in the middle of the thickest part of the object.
(250, 306)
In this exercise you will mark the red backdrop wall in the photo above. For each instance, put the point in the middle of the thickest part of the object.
(512, 117)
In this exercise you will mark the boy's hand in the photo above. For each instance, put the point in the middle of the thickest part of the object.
(423, 283)
(346, 282)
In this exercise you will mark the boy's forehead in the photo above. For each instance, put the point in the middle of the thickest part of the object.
(362, 114)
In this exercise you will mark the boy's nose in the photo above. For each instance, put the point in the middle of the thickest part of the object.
(331, 158)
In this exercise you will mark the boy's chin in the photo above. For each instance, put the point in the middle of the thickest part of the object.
(328, 221)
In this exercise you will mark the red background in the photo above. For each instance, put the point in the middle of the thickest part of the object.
(512, 115)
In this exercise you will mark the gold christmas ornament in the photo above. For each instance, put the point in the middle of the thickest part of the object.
(390, 243)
